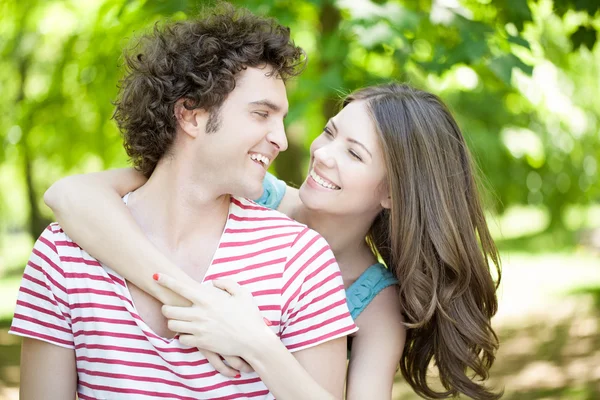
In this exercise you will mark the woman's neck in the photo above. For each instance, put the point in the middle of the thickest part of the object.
(345, 235)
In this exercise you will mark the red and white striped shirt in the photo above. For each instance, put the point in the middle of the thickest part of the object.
(69, 299)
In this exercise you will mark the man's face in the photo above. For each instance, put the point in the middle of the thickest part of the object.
(246, 134)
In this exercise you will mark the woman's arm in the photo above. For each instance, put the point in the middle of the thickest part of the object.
(90, 210)
(376, 348)
(290, 201)
(110, 234)
(315, 373)
(232, 324)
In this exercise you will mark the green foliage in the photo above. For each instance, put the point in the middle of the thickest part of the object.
(521, 76)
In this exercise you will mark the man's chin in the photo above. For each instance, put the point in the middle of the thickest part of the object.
(250, 192)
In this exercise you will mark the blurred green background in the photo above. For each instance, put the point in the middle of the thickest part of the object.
(522, 78)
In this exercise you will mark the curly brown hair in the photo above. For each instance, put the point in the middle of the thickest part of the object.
(197, 60)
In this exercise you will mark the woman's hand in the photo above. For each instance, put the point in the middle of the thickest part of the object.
(223, 317)
(232, 369)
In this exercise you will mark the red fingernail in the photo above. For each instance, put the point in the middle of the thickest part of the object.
(269, 323)
(155, 277)
(238, 376)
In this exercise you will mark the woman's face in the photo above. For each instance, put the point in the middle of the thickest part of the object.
(347, 169)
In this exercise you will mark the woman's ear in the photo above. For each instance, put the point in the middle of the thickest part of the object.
(387, 202)
(386, 198)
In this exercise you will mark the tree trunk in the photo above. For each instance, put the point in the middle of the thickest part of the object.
(37, 222)
(329, 18)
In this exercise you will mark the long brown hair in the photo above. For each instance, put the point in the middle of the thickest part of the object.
(436, 241)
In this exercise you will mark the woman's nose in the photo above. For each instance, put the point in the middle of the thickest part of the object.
(324, 156)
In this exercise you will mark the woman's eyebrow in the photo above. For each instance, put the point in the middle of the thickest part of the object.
(333, 124)
(350, 139)
(360, 144)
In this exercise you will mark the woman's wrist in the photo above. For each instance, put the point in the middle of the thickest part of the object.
(259, 346)
(169, 298)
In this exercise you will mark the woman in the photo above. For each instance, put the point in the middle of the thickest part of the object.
(391, 167)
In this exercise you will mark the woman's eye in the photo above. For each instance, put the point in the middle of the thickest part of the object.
(327, 131)
(355, 155)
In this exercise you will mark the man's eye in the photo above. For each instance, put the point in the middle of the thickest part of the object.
(264, 115)
(327, 131)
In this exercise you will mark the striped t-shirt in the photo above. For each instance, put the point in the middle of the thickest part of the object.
(69, 299)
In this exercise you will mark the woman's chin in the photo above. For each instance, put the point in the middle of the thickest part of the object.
(312, 199)
(306, 197)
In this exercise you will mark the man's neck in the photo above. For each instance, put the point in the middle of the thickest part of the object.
(184, 220)
(176, 210)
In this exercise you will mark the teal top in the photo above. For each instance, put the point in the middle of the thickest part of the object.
(273, 192)
(368, 285)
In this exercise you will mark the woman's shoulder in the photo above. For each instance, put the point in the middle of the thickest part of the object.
(373, 300)
(385, 309)
(368, 287)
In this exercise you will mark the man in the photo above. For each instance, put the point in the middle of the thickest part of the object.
(201, 110)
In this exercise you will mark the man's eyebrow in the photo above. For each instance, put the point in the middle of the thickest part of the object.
(267, 103)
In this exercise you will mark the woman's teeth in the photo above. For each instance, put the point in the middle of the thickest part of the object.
(322, 181)
(260, 158)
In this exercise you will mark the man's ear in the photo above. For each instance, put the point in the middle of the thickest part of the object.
(191, 122)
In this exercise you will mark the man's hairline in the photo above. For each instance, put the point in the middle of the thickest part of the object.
(215, 110)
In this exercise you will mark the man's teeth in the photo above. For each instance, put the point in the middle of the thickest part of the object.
(260, 157)
(322, 181)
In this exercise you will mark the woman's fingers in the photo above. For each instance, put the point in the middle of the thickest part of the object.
(215, 360)
(181, 288)
(238, 363)
(176, 325)
(231, 287)
(181, 313)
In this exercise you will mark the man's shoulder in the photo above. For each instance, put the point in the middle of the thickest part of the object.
(251, 216)
(246, 210)
(57, 236)
(54, 242)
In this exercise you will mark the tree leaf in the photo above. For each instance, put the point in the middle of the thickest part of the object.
(585, 36)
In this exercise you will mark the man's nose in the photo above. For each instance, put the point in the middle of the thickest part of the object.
(278, 138)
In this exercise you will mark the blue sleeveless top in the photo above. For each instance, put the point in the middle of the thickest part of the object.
(273, 192)
(368, 285)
